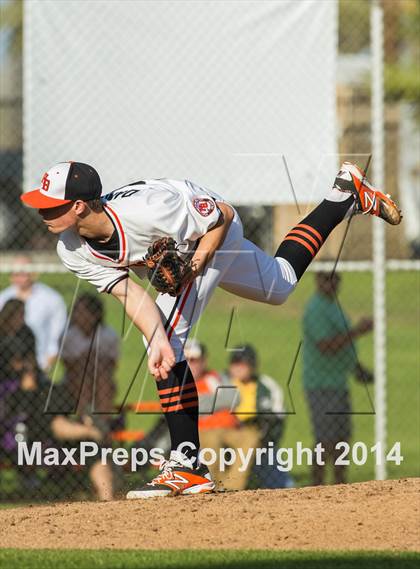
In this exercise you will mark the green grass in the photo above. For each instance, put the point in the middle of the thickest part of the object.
(276, 332)
(201, 559)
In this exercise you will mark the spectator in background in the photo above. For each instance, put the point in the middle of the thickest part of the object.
(217, 424)
(260, 410)
(22, 416)
(238, 409)
(90, 351)
(11, 324)
(45, 311)
(67, 429)
(329, 357)
(89, 354)
(17, 341)
(22, 383)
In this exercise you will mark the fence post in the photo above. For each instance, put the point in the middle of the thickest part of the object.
(379, 264)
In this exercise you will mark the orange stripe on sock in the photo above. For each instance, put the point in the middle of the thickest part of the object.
(307, 236)
(314, 231)
(302, 242)
(175, 389)
(169, 390)
(180, 407)
(178, 398)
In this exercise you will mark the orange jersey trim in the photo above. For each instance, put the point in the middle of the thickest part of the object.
(179, 312)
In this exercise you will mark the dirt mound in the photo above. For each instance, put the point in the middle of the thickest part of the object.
(371, 515)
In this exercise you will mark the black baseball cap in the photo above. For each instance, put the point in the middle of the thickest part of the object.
(64, 183)
(244, 354)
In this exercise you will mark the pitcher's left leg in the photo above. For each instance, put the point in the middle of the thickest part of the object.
(350, 193)
(258, 276)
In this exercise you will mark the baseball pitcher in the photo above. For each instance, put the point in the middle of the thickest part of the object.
(187, 240)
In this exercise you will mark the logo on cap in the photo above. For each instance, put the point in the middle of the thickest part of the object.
(45, 182)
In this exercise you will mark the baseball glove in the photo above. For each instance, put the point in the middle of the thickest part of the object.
(166, 269)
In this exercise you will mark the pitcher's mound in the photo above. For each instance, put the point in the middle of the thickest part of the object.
(371, 515)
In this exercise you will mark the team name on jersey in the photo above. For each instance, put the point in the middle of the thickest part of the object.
(119, 194)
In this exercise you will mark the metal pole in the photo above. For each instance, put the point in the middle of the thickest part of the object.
(379, 262)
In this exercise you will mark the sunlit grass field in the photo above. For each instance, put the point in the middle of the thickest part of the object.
(276, 333)
(205, 559)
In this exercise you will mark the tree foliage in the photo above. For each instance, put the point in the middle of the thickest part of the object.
(11, 19)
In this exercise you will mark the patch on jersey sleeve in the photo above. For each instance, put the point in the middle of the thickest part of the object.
(204, 206)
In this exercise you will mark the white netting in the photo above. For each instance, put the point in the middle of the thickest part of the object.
(215, 92)
(256, 99)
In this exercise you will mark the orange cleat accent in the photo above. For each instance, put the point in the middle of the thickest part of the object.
(369, 200)
(177, 476)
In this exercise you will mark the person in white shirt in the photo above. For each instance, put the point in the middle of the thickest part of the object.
(104, 235)
(45, 310)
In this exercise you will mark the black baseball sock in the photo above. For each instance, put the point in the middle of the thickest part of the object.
(304, 241)
(179, 400)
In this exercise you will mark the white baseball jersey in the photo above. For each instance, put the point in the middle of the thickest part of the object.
(141, 213)
(146, 211)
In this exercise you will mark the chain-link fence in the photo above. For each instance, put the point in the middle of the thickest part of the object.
(71, 368)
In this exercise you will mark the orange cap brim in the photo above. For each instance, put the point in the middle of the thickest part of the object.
(40, 201)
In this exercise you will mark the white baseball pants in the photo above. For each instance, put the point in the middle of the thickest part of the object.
(241, 268)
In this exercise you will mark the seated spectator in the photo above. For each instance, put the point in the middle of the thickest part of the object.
(260, 410)
(17, 341)
(26, 420)
(45, 311)
(22, 409)
(22, 413)
(89, 354)
(214, 402)
(22, 388)
(68, 429)
(329, 357)
(218, 425)
(17, 346)
(257, 401)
